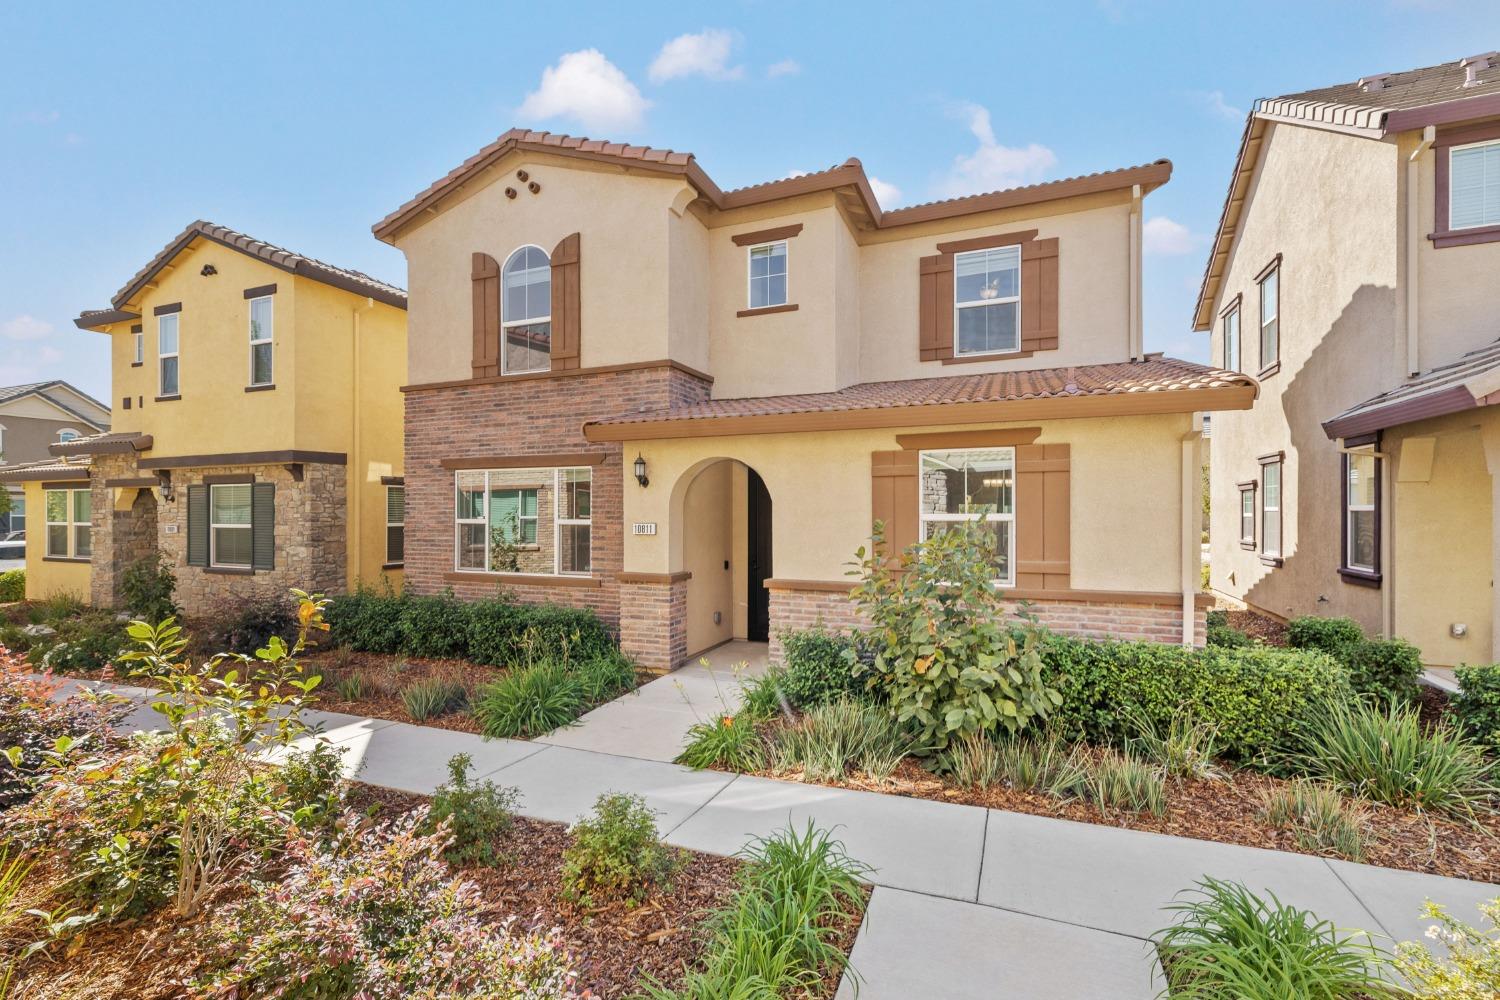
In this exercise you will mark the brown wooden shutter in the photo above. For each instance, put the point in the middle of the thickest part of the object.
(936, 309)
(485, 279)
(565, 304)
(1039, 295)
(1043, 517)
(894, 496)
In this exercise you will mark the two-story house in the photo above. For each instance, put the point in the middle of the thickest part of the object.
(685, 407)
(258, 431)
(1353, 274)
(32, 417)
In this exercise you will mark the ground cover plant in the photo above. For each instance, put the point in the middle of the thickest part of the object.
(12, 585)
(616, 855)
(475, 813)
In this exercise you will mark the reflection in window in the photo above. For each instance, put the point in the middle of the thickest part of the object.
(526, 312)
(531, 521)
(987, 301)
(972, 484)
(768, 275)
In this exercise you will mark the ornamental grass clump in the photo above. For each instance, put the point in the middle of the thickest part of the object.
(1047, 765)
(829, 740)
(1183, 747)
(529, 702)
(945, 660)
(427, 699)
(727, 741)
(1385, 755)
(1119, 781)
(1318, 817)
(1229, 943)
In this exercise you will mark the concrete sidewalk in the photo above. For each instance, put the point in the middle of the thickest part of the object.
(969, 902)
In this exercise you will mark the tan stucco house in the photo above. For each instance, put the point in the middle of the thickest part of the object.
(1353, 275)
(257, 433)
(685, 407)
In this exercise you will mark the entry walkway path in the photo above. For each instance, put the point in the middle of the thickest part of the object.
(968, 902)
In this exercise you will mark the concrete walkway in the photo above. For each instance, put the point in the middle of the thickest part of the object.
(969, 902)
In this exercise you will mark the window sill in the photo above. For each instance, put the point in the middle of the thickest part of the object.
(1271, 561)
(1269, 370)
(764, 310)
(137, 364)
(969, 359)
(393, 565)
(260, 388)
(522, 579)
(1360, 577)
(1247, 546)
(229, 570)
(67, 559)
(168, 399)
(1465, 237)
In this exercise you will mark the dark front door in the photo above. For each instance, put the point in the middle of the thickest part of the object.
(759, 622)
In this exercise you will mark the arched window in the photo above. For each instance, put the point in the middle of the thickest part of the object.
(67, 434)
(526, 312)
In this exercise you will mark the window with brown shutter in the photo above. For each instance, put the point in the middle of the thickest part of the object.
(485, 280)
(565, 304)
(1038, 306)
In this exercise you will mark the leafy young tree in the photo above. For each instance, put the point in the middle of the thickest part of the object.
(944, 655)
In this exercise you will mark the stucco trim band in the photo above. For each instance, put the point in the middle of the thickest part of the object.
(288, 457)
(569, 373)
(524, 579)
(554, 460)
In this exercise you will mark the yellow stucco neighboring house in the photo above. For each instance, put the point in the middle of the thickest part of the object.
(1353, 274)
(257, 438)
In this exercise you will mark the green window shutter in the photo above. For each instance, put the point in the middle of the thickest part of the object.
(263, 525)
(197, 526)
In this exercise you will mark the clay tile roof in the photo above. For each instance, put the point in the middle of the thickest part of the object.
(1471, 381)
(111, 442)
(1380, 93)
(1154, 376)
(31, 471)
(287, 260)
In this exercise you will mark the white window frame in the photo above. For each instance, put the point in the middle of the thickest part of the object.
(521, 519)
(1250, 492)
(1272, 273)
(70, 522)
(1233, 360)
(268, 339)
(1485, 224)
(557, 523)
(958, 306)
(786, 253)
(139, 347)
(18, 509)
(1266, 510)
(924, 517)
(508, 324)
(214, 526)
(389, 524)
(67, 434)
(162, 356)
(1350, 507)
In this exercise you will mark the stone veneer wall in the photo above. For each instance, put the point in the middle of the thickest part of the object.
(516, 418)
(119, 538)
(802, 609)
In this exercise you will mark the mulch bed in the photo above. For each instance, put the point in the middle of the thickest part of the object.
(386, 675)
(1256, 626)
(1229, 811)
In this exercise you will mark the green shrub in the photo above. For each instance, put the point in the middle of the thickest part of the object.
(1384, 754)
(827, 741)
(528, 702)
(1388, 670)
(1318, 817)
(12, 586)
(616, 854)
(429, 698)
(728, 741)
(84, 643)
(1477, 704)
(943, 658)
(1121, 781)
(817, 670)
(367, 620)
(1229, 942)
(1221, 633)
(243, 626)
(147, 586)
(1471, 969)
(1256, 699)
(1326, 634)
(604, 676)
(312, 784)
(477, 813)
(436, 626)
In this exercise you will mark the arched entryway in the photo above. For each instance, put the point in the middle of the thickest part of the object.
(726, 546)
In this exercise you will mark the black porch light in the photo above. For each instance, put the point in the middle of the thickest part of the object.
(640, 470)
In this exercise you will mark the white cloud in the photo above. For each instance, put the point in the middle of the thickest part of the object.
(888, 194)
(704, 54)
(1164, 237)
(786, 67)
(1214, 101)
(26, 327)
(992, 166)
(589, 89)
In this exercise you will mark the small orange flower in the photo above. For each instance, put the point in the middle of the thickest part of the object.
(921, 665)
(728, 721)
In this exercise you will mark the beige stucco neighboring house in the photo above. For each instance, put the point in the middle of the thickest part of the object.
(685, 407)
(1353, 275)
(32, 417)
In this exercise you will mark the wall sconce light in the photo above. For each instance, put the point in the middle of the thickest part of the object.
(640, 471)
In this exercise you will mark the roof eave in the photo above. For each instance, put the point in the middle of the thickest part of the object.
(1454, 399)
(114, 446)
(1144, 402)
(99, 319)
(27, 474)
(1443, 113)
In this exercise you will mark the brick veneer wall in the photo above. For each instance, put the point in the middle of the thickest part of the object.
(801, 609)
(527, 416)
(653, 623)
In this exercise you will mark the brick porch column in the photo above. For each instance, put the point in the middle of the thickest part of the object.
(653, 619)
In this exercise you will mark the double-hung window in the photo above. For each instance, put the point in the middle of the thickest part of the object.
(1230, 323)
(987, 301)
(262, 327)
(972, 484)
(528, 521)
(1270, 316)
(1270, 508)
(395, 525)
(166, 354)
(526, 312)
(231, 537)
(1474, 185)
(1247, 515)
(69, 524)
(1361, 490)
(137, 347)
(18, 512)
(768, 275)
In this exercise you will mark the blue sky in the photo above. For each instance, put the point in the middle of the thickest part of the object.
(303, 124)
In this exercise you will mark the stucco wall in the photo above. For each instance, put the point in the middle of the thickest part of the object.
(1328, 204)
(48, 577)
(25, 439)
(708, 553)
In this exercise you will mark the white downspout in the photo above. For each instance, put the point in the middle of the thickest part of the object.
(356, 456)
(1192, 526)
(1413, 248)
(1137, 342)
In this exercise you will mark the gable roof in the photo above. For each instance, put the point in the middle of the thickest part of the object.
(11, 393)
(1372, 107)
(1471, 381)
(46, 470)
(848, 177)
(287, 260)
